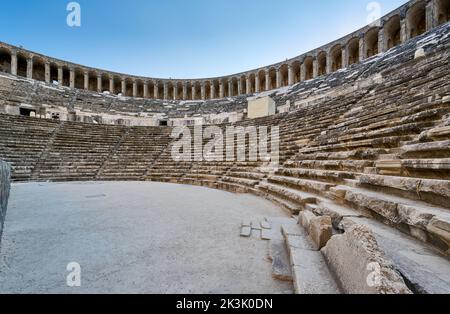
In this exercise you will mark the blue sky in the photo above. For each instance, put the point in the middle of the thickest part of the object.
(181, 38)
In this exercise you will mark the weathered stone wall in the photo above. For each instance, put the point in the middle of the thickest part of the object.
(5, 176)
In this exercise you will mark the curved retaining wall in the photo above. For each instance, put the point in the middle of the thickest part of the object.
(400, 25)
(5, 177)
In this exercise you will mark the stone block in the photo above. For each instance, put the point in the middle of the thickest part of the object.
(320, 230)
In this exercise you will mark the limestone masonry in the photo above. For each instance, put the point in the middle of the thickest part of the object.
(5, 176)
(364, 141)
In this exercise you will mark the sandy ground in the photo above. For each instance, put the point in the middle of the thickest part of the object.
(134, 237)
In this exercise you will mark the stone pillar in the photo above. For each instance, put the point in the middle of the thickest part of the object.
(291, 74)
(124, 87)
(431, 19)
(213, 90)
(193, 91)
(86, 80)
(99, 83)
(156, 90)
(72, 78)
(239, 83)
(203, 91)
(185, 92)
(135, 89)
(303, 72)
(329, 67)
(145, 89)
(47, 72)
(381, 45)
(222, 91)
(267, 80)
(257, 84)
(111, 85)
(30, 68)
(278, 78)
(404, 30)
(248, 86)
(60, 76)
(166, 90)
(315, 67)
(362, 49)
(345, 56)
(230, 88)
(175, 91)
(14, 63)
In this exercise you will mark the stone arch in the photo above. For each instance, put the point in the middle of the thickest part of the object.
(234, 87)
(353, 51)
(128, 87)
(416, 19)
(371, 42)
(179, 89)
(214, 89)
(322, 63)
(336, 57)
(225, 87)
(442, 11)
(169, 91)
(198, 90)
(151, 89)
(117, 82)
(188, 90)
(53, 72)
(21, 64)
(105, 83)
(309, 67)
(392, 31)
(207, 89)
(284, 75)
(38, 69)
(79, 78)
(243, 79)
(272, 78)
(139, 88)
(5, 60)
(66, 76)
(92, 81)
(252, 83)
(296, 71)
(262, 80)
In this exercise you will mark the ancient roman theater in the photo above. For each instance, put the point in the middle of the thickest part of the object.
(357, 202)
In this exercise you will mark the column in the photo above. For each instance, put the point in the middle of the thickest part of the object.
(257, 86)
(175, 91)
(248, 86)
(404, 30)
(267, 80)
(431, 20)
(230, 88)
(60, 76)
(278, 78)
(30, 68)
(315, 68)
(193, 91)
(185, 91)
(47, 72)
(156, 90)
(86, 80)
(344, 56)
(381, 45)
(221, 90)
(135, 88)
(291, 74)
(329, 68)
(111, 85)
(145, 89)
(362, 49)
(303, 72)
(213, 91)
(203, 91)
(166, 90)
(72, 78)
(124, 87)
(239, 86)
(14, 63)
(99, 83)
